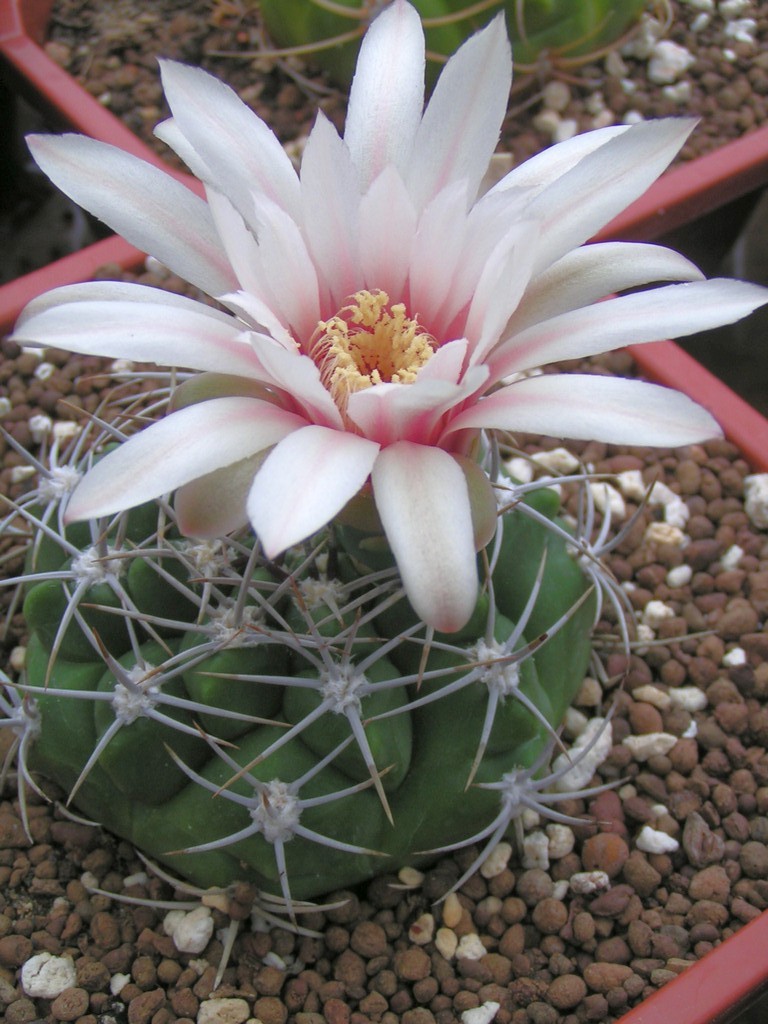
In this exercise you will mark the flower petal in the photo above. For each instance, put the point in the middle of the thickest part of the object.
(242, 154)
(573, 208)
(429, 528)
(148, 207)
(387, 94)
(304, 482)
(330, 198)
(436, 252)
(196, 440)
(593, 272)
(673, 311)
(593, 407)
(298, 377)
(387, 228)
(462, 122)
(192, 336)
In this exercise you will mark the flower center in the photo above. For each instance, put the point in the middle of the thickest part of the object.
(370, 342)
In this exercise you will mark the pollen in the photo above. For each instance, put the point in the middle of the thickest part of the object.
(370, 342)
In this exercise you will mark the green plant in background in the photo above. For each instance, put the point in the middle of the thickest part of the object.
(567, 32)
(302, 626)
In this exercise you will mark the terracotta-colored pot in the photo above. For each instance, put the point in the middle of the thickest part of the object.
(714, 989)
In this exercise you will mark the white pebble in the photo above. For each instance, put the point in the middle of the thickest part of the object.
(604, 119)
(470, 947)
(5, 406)
(121, 366)
(547, 122)
(700, 22)
(567, 128)
(680, 92)
(590, 694)
(561, 840)
(700, 5)
(422, 930)
(520, 469)
(21, 473)
(44, 371)
(33, 350)
(45, 976)
(733, 8)
(691, 732)
(606, 497)
(649, 744)
(574, 723)
(40, 427)
(652, 840)
(614, 65)
(446, 943)
(665, 533)
(632, 484)
(227, 1010)
(676, 512)
(679, 576)
(452, 910)
(410, 877)
(742, 30)
(118, 982)
(756, 499)
(191, 932)
(18, 658)
(632, 116)
(63, 430)
(585, 882)
(578, 768)
(656, 612)
(496, 861)
(535, 851)
(669, 62)
(530, 819)
(689, 698)
(480, 1014)
(627, 791)
(736, 656)
(652, 695)
(558, 460)
(556, 95)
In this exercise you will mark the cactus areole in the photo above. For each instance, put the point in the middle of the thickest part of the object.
(304, 626)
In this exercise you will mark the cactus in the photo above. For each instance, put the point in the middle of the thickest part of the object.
(288, 723)
(328, 33)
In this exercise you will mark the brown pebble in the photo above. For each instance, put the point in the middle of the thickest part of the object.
(71, 1004)
(369, 939)
(702, 845)
(549, 915)
(411, 964)
(711, 883)
(567, 991)
(142, 1009)
(606, 852)
(601, 977)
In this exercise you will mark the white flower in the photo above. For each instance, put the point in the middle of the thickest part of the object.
(373, 307)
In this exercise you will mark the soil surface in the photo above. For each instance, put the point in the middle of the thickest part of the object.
(544, 952)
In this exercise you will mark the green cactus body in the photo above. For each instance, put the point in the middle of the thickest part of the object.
(247, 720)
(537, 27)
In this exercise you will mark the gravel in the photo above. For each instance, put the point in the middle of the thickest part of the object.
(520, 938)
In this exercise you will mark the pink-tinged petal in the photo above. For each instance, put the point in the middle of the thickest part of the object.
(239, 244)
(499, 289)
(330, 197)
(436, 251)
(286, 269)
(299, 377)
(541, 170)
(255, 313)
(387, 94)
(592, 407)
(215, 504)
(169, 132)
(594, 272)
(602, 184)
(192, 442)
(148, 207)
(387, 227)
(242, 153)
(672, 311)
(429, 528)
(447, 362)
(462, 122)
(304, 482)
(194, 337)
(394, 412)
(113, 291)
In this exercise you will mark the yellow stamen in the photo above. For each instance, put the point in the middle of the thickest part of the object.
(370, 342)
